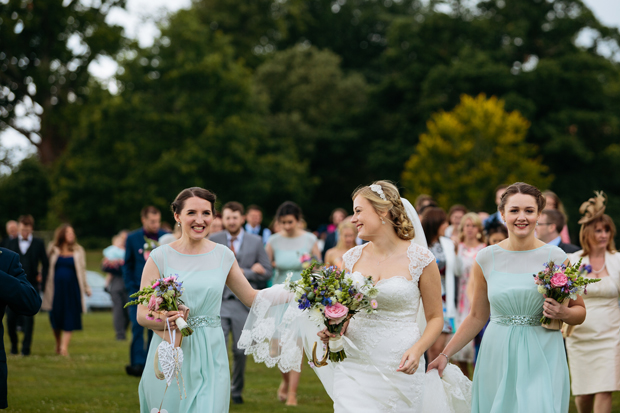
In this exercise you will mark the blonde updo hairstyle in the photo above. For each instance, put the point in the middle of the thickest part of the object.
(396, 214)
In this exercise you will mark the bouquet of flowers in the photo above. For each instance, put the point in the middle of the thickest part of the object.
(561, 282)
(332, 297)
(163, 295)
(149, 245)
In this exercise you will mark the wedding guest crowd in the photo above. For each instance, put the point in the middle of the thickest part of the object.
(268, 255)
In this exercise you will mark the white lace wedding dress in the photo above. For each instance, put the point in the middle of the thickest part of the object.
(367, 380)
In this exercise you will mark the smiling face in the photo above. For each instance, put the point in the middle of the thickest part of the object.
(195, 218)
(365, 218)
(520, 214)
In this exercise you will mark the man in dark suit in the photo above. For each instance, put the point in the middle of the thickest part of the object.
(20, 296)
(31, 253)
(12, 230)
(550, 224)
(135, 258)
(254, 263)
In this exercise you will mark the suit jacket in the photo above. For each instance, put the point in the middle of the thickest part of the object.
(79, 259)
(330, 242)
(568, 248)
(30, 261)
(134, 259)
(251, 251)
(17, 293)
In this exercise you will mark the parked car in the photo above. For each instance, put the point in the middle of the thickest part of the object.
(100, 299)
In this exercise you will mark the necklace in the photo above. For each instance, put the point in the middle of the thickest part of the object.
(599, 271)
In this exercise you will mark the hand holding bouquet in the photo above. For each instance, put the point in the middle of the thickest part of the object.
(562, 282)
(163, 295)
(332, 297)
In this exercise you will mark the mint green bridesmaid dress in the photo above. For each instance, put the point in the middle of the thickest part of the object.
(522, 366)
(205, 365)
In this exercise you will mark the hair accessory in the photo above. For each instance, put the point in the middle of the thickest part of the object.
(593, 208)
(377, 189)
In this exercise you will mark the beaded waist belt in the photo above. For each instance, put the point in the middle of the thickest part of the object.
(204, 321)
(516, 320)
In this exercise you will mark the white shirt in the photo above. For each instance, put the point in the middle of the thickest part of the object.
(237, 242)
(555, 241)
(24, 244)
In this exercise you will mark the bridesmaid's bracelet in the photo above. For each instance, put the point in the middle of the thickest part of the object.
(446, 356)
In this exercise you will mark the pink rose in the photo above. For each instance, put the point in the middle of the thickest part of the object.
(336, 313)
(153, 303)
(559, 280)
(147, 254)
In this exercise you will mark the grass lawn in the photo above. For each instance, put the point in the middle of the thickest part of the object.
(93, 379)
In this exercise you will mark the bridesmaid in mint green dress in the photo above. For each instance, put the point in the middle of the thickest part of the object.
(204, 268)
(521, 366)
(285, 249)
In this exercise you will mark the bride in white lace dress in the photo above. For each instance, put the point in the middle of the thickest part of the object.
(384, 350)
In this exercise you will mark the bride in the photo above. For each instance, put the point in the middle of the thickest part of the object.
(384, 368)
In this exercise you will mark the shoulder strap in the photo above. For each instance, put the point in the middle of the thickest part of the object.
(352, 256)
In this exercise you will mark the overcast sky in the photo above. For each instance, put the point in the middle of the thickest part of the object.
(138, 20)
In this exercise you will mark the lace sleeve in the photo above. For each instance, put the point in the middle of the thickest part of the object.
(350, 257)
(276, 332)
(419, 258)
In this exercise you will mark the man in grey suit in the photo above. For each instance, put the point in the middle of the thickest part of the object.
(254, 263)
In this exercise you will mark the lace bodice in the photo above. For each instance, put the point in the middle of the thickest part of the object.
(398, 296)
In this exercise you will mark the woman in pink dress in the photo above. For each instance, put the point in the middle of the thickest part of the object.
(471, 240)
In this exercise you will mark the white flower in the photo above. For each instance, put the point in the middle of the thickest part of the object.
(572, 296)
(316, 316)
(146, 245)
(289, 275)
(542, 289)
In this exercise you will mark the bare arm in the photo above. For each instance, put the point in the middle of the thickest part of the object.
(240, 286)
(473, 323)
(430, 289)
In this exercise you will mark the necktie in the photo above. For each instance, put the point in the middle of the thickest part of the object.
(232, 245)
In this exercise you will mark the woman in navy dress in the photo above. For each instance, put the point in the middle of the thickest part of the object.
(65, 287)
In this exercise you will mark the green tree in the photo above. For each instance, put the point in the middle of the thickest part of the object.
(467, 152)
(25, 191)
(524, 53)
(187, 115)
(316, 108)
(45, 52)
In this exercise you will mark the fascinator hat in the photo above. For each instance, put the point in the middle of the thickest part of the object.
(593, 208)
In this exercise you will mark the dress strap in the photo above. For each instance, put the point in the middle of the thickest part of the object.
(352, 256)
(419, 258)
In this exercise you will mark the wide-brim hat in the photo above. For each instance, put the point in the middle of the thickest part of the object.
(593, 208)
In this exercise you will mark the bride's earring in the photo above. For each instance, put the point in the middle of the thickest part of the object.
(382, 221)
